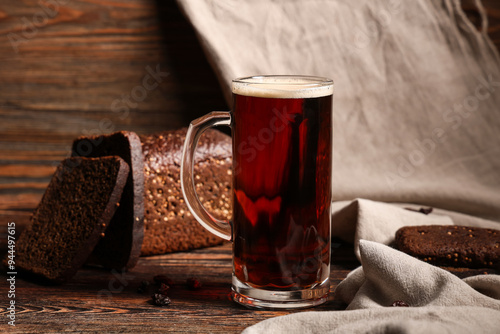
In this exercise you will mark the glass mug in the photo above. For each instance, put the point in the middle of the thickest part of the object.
(282, 190)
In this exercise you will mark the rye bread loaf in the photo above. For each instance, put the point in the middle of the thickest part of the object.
(451, 245)
(168, 224)
(121, 246)
(72, 216)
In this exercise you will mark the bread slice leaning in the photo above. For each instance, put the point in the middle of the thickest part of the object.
(121, 246)
(72, 216)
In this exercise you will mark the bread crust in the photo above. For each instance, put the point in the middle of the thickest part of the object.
(120, 248)
(168, 223)
(451, 245)
(65, 226)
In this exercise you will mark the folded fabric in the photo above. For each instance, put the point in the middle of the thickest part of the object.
(388, 275)
(416, 120)
(428, 320)
(376, 221)
(417, 89)
(439, 301)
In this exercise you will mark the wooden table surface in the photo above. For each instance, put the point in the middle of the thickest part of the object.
(59, 81)
(98, 300)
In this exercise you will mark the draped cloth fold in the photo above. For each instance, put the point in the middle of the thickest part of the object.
(416, 120)
(439, 301)
(416, 96)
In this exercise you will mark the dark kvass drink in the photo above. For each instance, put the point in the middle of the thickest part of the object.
(282, 169)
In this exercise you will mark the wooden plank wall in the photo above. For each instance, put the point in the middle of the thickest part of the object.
(79, 68)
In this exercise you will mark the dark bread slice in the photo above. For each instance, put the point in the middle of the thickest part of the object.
(78, 204)
(451, 245)
(121, 246)
(168, 224)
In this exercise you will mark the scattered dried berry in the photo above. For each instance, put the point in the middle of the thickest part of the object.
(400, 303)
(193, 283)
(160, 299)
(159, 279)
(144, 287)
(163, 289)
(425, 211)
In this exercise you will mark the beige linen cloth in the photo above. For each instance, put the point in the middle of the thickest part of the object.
(417, 89)
(439, 301)
(416, 120)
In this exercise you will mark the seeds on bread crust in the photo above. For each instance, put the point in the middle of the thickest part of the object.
(451, 245)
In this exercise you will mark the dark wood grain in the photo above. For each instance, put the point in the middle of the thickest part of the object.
(60, 83)
(104, 301)
(492, 8)
(62, 80)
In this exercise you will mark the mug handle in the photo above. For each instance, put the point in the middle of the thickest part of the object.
(220, 228)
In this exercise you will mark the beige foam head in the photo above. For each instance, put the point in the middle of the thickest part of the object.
(283, 86)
